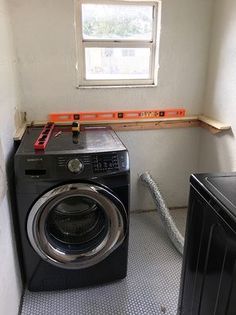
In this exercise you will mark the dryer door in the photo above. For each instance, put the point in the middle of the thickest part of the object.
(76, 226)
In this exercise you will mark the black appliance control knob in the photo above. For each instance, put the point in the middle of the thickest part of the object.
(75, 166)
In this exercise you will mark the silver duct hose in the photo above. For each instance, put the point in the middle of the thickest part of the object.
(170, 226)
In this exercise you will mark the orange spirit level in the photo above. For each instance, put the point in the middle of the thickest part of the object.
(110, 116)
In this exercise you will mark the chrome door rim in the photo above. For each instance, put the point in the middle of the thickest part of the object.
(112, 207)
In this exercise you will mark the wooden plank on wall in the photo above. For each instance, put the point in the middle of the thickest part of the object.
(131, 126)
(150, 124)
(212, 125)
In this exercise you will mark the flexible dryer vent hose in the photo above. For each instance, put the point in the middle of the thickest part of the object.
(172, 230)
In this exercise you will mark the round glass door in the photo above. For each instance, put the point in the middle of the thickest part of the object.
(76, 225)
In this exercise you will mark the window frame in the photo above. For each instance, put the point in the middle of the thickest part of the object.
(82, 44)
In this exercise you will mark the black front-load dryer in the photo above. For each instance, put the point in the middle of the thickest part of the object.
(73, 208)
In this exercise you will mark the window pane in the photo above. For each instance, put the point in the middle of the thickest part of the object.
(101, 21)
(117, 63)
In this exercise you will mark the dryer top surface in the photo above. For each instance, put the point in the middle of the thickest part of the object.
(222, 186)
(90, 140)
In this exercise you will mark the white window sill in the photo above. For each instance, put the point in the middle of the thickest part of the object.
(85, 87)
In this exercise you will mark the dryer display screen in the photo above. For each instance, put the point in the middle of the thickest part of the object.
(104, 163)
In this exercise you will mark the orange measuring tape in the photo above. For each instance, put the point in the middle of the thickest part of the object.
(120, 115)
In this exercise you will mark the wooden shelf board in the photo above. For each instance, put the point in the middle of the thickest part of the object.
(213, 123)
(20, 132)
(151, 125)
(145, 124)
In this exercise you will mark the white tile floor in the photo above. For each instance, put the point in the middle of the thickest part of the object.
(151, 286)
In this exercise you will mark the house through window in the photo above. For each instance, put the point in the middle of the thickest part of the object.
(117, 42)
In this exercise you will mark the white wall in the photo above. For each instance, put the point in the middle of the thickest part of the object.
(170, 156)
(218, 153)
(44, 35)
(10, 282)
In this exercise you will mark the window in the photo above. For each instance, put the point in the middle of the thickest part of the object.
(117, 42)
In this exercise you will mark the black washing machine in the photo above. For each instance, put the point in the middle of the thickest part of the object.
(73, 208)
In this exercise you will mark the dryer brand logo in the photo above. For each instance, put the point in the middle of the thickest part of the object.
(35, 160)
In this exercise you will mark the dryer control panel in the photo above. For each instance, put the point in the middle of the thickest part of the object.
(72, 166)
(93, 164)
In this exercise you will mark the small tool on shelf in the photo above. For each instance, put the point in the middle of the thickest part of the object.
(75, 131)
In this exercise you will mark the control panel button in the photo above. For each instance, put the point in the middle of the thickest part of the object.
(75, 166)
